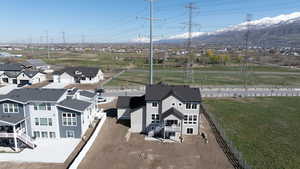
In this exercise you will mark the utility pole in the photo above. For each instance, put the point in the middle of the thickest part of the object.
(189, 60)
(47, 39)
(151, 41)
(245, 64)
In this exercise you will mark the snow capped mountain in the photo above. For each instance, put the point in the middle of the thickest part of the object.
(256, 24)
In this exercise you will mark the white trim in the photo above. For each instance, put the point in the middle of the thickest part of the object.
(62, 117)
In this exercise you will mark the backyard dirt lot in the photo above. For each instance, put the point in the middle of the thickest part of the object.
(115, 148)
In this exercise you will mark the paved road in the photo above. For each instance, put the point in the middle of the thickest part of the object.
(222, 92)
(220, 72)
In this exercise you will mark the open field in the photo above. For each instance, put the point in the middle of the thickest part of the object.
(130, 78)
(115, 148)
(265, 130)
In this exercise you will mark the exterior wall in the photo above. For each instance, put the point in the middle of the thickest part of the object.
(19, 114)
(96, 79)
(137, 120)
(38, 78)
(151, 110)
(123, 114)
(28, 121)
(10, 80)
(63, 78)
(77, 129)
(44, 114)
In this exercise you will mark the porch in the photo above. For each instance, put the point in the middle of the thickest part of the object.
(13, 134)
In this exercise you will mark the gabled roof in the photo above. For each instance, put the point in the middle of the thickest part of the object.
(11, 67)
(34, 94)
(31, 73)
(125, 102)
(12, 74)
(35, 62)
(159, 92)
(74, 104)
(87, 94)
(174, 112)
(11, 118)
(82, 71)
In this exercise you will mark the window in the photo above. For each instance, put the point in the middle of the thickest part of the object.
(49, 121)
(189, 131)
(195, 119)
(194, 106)
(10, 108)
(43, 121)
(69, 119)
(70, 134)
(35, 107)
(155, 118)
(190, 119)
(48, 106)
(173, 104)
(154, 104)
(42, 106)
(188, 106)
(52, 134)
(36, 134)
(44, 134)
(185, 119)
(37, 121)
(180, 104)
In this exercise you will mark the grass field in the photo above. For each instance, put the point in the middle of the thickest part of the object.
(140, 78)
(265, 130)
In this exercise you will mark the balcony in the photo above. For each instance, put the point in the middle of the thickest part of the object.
(173, 128)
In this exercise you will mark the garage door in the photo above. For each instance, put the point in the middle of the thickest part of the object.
(24, 81)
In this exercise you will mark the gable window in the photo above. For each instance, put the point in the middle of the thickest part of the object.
(155, 118)
(10, 108)
(191, 106)
(69, 119)
(154, 104)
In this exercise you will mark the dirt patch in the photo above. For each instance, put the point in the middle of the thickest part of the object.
(111, 150)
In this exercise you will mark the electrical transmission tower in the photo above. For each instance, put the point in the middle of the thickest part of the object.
(64, 38)
(246, 59)
(189, 74)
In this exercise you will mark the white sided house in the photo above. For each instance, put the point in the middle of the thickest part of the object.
(82, 75)
(30, 113)
(164, 111)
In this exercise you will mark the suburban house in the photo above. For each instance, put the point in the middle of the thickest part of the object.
(164, 111)
(37, 113)
(36, 64)
(84, 75)
(16, 73)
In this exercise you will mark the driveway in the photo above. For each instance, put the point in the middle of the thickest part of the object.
(56, 85)
(7, 88)
(115, 148)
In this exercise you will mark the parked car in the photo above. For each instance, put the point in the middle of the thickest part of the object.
(101, 99)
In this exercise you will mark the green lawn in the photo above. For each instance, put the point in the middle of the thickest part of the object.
(265, 130)
(140, 78)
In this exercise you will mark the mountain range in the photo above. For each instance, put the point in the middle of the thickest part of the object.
(279, 31)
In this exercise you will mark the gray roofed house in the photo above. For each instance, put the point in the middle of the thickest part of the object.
(160, 91)
(42, 113)
(36, 64)
(74, 104)
(11, 67)
(168, 111)
(78, 71)
(83, 75)
(35, 94)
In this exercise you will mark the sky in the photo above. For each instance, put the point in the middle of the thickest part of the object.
(28, 21)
